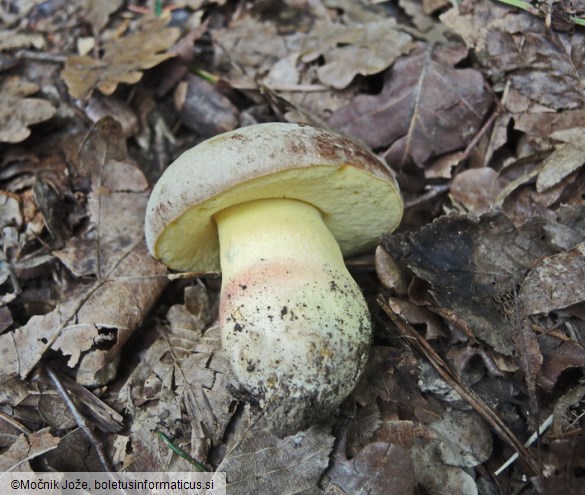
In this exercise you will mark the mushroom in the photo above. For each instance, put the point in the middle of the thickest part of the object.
(275, 207)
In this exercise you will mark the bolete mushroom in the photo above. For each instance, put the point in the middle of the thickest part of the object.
(274, 207)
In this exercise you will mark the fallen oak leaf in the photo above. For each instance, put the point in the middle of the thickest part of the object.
(359, 49)
(123, 61)
(18, 111)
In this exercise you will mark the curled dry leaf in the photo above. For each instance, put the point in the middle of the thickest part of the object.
(427, 108)
(18, 111)
(123, 61)
(12, 39)
(558, 358)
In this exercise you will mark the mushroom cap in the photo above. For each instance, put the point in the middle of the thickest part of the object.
(355, 192)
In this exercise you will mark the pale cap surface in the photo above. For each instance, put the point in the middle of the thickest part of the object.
(356, 192)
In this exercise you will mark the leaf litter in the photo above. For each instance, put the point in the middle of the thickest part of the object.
(122, 62)
(18, 110)
(480, 325)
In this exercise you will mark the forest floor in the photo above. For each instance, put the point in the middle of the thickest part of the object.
(109, 362)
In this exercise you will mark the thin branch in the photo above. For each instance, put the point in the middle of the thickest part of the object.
(79, 419)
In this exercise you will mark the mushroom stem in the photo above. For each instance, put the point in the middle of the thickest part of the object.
(295, 325)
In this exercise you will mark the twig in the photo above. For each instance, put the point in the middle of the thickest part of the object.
(432, 193)
(285, 88)
(79, 419)
(11, 421)
(54, 58)
(463, 390)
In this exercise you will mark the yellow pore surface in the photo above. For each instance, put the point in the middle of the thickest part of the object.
(356, 206)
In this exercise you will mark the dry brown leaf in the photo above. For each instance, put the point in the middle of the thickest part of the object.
(473, 265)
(209, 403)
(558, 359)
(74, 453)
(12, 39)
(18, 111)
(475, 189)
(564, 160)
(380, 468)
(419, 14)
(182, 375)
(438, 478)
(26, 448)
(97, 12)
(365, 44)
(94, 323)
(205, 109)
(462, 438)
(543, 124)
(389, 273)
(426, 109)
(392, 378)
(540, 63)
(123, 61)
(99, 107)
(103, 315)
(417, 315)
(357, 49)
(149, 396)
(555, 282)
(250, 49)
(260, 462)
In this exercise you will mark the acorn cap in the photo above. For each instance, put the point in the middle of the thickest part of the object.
(355, 192)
